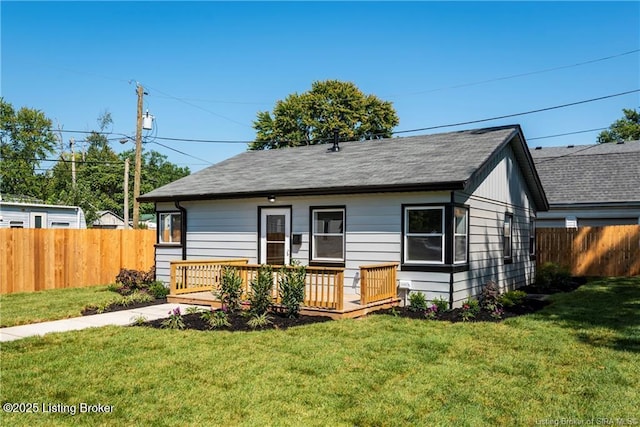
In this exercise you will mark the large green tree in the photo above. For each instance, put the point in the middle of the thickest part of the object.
(625, 129)
(26, 139)
(311, 117)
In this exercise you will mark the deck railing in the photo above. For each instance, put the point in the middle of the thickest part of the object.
(324, 287)
(378, 282)
(200, 275)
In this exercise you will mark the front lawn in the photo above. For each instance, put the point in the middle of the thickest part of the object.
(33, 307)
(578, 359)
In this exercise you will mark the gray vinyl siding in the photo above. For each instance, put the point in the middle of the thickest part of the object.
(54, 214)
(500, 190)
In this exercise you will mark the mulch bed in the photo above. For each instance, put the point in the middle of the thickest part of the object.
(238, 322)
(529, 305)
(116, 307)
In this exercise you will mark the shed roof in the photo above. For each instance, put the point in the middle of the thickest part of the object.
(446, 161)
(597, 173)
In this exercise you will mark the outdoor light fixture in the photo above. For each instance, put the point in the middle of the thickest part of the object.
(271, 198)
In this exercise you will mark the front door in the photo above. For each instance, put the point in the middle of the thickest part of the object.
(275, 229)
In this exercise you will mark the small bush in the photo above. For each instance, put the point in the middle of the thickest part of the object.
(135, 279)
(470, 309)
(216, 318)
(441, 303)
(489, 296)
(552, 276)
(291, 288)
(417, 301)
(512, 298)
(174, 321)
(259, 321)
(158, 290)
(230, 292)
(260, 297)
(136, 297)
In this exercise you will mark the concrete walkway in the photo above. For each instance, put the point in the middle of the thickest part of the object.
(119, 318)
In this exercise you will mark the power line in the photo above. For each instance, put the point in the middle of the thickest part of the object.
(181, 152)
(513, 76)
(518, 114)
(565, 134)
(199, 107)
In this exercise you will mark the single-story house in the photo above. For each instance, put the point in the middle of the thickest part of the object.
(590, 185)
(40, 215)
(108, 220)
(454, 210)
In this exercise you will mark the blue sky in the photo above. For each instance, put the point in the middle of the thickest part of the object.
(209, 67)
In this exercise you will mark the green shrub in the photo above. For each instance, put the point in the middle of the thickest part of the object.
(470, 309)
(260, 296)
(512, 298)
(158, 290)
(417, 301)
(216, 318)
(291, 288)
(551, 276)
(174, 321)
(230, 292)
(441, 303)
(259, 320)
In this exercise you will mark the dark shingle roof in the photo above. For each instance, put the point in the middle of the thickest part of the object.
(428, 162)
(599, 173)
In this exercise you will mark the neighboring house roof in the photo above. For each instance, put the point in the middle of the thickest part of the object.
(37, 205)
(108, 218)
(447, 161)
(590, 174)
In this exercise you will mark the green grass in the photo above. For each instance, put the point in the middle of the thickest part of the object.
(579, 359)
(33, 307)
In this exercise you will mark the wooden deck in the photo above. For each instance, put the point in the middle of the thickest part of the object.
(351, 305)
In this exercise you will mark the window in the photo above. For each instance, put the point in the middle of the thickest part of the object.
(169, 227)
(507, 237)
(532, 237)
(59, 224)
(424, 235)
(460, 233)
(327, 235)
(16, 224)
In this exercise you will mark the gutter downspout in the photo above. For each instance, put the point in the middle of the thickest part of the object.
(183, 230)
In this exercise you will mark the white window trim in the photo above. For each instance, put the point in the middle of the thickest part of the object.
(406, 234)
(466, 235)
(161, 228)
(314, 257)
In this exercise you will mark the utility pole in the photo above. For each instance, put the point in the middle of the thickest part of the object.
(126, 194)
(136, 177)
(73, 163)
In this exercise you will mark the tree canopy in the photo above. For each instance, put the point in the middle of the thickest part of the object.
(311, 117)
(26, 137)
(624, 129)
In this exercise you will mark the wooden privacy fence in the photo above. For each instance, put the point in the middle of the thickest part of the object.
(40, 259)
(591, 251)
